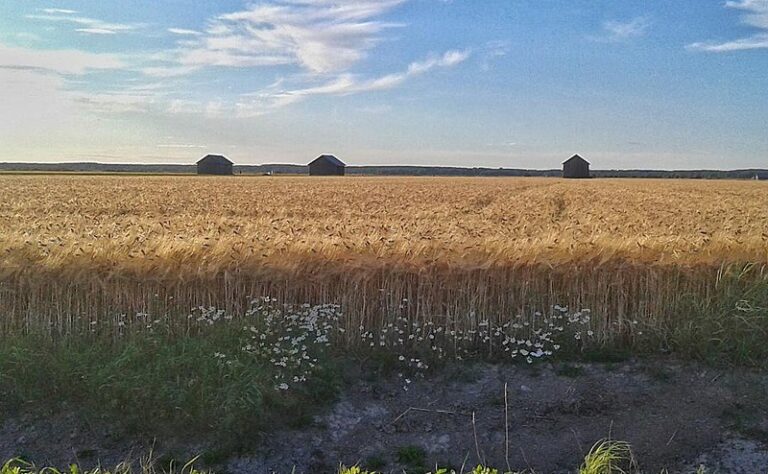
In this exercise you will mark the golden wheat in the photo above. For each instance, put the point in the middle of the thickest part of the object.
(72, 245)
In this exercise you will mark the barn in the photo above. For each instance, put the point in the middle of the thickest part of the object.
(576, 167)
(214, 164)
(326, 165)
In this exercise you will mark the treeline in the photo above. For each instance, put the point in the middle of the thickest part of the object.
(377, 170)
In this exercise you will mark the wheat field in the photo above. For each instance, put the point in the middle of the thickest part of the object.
(458, 247)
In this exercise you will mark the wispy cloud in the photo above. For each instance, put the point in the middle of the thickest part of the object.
(111, 103)
(493, 50)
(756, 16)
(184, 32)
(325, 40)
(345, 84)
(54, 11)
(757, 12)
(180, 145)
(757, 41)
(615, 30)
(83, 24)
(68, 62)
(320, 36)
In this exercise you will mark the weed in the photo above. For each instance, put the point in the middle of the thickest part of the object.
(744, 419)
(607, 457)
(412, 457)
(374, 463)
(156, 384)
(606, 355)
(658, 372)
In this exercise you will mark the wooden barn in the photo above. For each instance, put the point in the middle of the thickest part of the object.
(327, 165)
(214, 164)
(576, 167)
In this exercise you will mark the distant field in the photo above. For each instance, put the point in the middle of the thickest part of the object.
(484, 246)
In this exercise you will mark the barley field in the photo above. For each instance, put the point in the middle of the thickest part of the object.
(79, 249)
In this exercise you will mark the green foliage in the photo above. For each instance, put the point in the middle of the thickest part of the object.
(375, 462)
(156, 383)
(413, 458)
(728, 326)
(485, 470)
(353, 470)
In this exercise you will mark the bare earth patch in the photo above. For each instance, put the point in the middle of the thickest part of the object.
(676, 416)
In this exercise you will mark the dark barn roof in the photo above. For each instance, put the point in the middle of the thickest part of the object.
(217, 159)
(329, 158)
(576, 157)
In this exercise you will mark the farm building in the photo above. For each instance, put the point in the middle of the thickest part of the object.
(576, 167)
(214, 164)
(326, 165)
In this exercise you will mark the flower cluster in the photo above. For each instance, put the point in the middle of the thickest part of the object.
(530, 337)
(209, 316)
(290, 337)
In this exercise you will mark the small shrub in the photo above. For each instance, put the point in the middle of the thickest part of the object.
(607, 457)
(412, 457)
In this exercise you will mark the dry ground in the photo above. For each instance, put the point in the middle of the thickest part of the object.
(675, 415)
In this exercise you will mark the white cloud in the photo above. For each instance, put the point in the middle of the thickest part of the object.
(58, 61)
(756, 16)
(41, 107)
(27, 37)
(493, 50)
(758, 41)
(180, 145)
(757, 12)
(114, 102)
(184, 32)
(86, 25)
(96, 31)
(62, 11)
(321, 36)
(345, 84)
(325, 38)
(39, 87)
(165, 71)
(614, 30)
(30, 99)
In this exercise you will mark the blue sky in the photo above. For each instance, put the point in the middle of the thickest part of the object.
(513, 83)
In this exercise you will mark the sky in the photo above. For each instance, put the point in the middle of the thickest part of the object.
(627, 84)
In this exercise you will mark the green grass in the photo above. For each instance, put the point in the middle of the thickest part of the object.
(608, 457)
(157, 384)
(374, 463)
(729, 326)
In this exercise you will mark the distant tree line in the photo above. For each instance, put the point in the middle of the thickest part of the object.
(378, 170)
